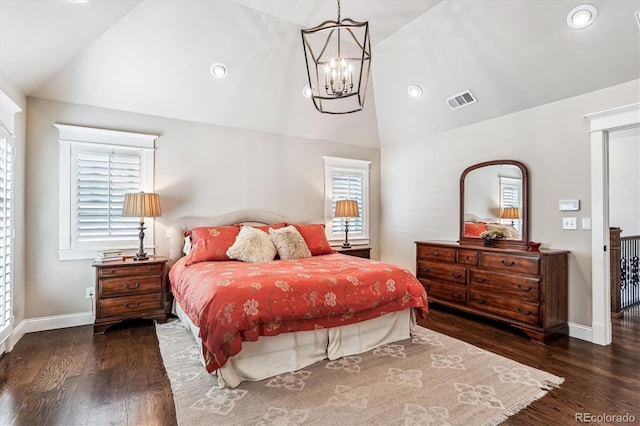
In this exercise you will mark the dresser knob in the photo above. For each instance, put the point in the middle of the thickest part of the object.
(435, 254)
(113, 271)
(456, 295)
(523, 312)
(479, 280)
(424, 269)
(132, 305)
(454, 275)
(508, 263)
(480, 301)
(523, 288)
(136, 285)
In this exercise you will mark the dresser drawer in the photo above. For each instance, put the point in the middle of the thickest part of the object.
(504, 307)
(443, 271)
(511, 286)
(468, 257)
(510, 263)
(441, 254)
(129, 285)
(130, 305)
(442, 291)
(120, 271)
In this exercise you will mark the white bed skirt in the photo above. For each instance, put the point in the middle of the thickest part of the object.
(273, 355)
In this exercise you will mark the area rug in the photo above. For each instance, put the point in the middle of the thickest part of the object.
(430, 379)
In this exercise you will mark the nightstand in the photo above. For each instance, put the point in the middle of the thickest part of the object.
(364, 252)
(129, 290)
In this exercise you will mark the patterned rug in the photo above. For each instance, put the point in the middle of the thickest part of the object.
(430, 379)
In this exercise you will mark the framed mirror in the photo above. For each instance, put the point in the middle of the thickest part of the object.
(494, 197)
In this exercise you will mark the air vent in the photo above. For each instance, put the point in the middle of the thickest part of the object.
(461, 100)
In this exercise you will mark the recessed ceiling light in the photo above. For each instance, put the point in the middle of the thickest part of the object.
(218, 70)
(415, 91)
(306, 91)
(582, 16)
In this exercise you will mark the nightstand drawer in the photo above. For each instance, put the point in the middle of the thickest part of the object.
(363, 252)
(129, 285)
(119, 271)
(131, 305)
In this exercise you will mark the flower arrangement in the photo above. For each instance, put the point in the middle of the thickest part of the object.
(491, 235)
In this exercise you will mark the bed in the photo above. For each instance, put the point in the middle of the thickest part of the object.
(257, 320)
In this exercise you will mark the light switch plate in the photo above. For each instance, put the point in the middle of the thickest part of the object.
(569, 223)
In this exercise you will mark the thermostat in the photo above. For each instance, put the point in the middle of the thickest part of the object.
(569, 205)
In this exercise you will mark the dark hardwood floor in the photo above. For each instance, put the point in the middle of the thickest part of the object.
(71, 377)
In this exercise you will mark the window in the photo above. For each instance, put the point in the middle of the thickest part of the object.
(97, 167)
(8, 109)
(346, 179)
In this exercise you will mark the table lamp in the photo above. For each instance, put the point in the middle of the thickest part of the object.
(346, 209)
(141, 204)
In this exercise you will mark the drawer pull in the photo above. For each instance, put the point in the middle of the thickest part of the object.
(132, 305)
(435, 253)
(508, 263)
(454, 275)
(113, 271)
(480, 301)
(427, 287)
(424, 269)
(529, 312)
(456, 295)
(136, 285)
(524, 288)
(467, 258)
(479, 280)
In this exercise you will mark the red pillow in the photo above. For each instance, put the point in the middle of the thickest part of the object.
(265, 228)
(315, 238)
(211, 243)
(472, 229)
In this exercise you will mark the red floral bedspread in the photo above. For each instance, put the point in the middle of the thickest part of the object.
(234, 301)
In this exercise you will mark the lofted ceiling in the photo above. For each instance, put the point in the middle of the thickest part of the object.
(153, 57)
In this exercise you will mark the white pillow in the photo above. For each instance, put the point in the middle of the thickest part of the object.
(186, 249)
(289, 243)
(252, 245)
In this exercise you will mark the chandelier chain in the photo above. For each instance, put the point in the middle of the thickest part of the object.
(338, 10)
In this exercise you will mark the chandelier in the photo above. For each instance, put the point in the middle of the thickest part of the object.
(338, 59)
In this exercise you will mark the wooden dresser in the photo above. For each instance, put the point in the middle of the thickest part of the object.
(526, 289)
(128, 290)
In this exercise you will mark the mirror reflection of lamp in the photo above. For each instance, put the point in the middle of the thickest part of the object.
(512, 213)
(346, 209)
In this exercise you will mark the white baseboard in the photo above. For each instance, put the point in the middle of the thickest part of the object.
(580, 331)
(53, 322)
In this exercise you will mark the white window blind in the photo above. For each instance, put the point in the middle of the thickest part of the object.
(347, 185)
(101, 180)
(97, 167)
(347, 179)
(6, 231)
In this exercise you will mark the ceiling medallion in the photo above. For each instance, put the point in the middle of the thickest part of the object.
(338, 59)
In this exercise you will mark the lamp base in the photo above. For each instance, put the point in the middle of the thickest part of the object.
(141, 256)
(346, 245)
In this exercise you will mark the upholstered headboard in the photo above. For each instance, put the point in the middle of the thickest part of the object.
(248, 217)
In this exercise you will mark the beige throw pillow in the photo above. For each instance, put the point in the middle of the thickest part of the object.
(252, 245)
(289, 243)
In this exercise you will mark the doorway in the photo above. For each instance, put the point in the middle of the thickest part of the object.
(602, 125)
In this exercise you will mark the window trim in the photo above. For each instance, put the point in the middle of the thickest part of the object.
(69, 136)
(8, 111)
(358, 166)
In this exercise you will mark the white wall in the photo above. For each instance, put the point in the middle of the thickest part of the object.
(19, 199)
(201, 170)
(420, 190)
(624, 181)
